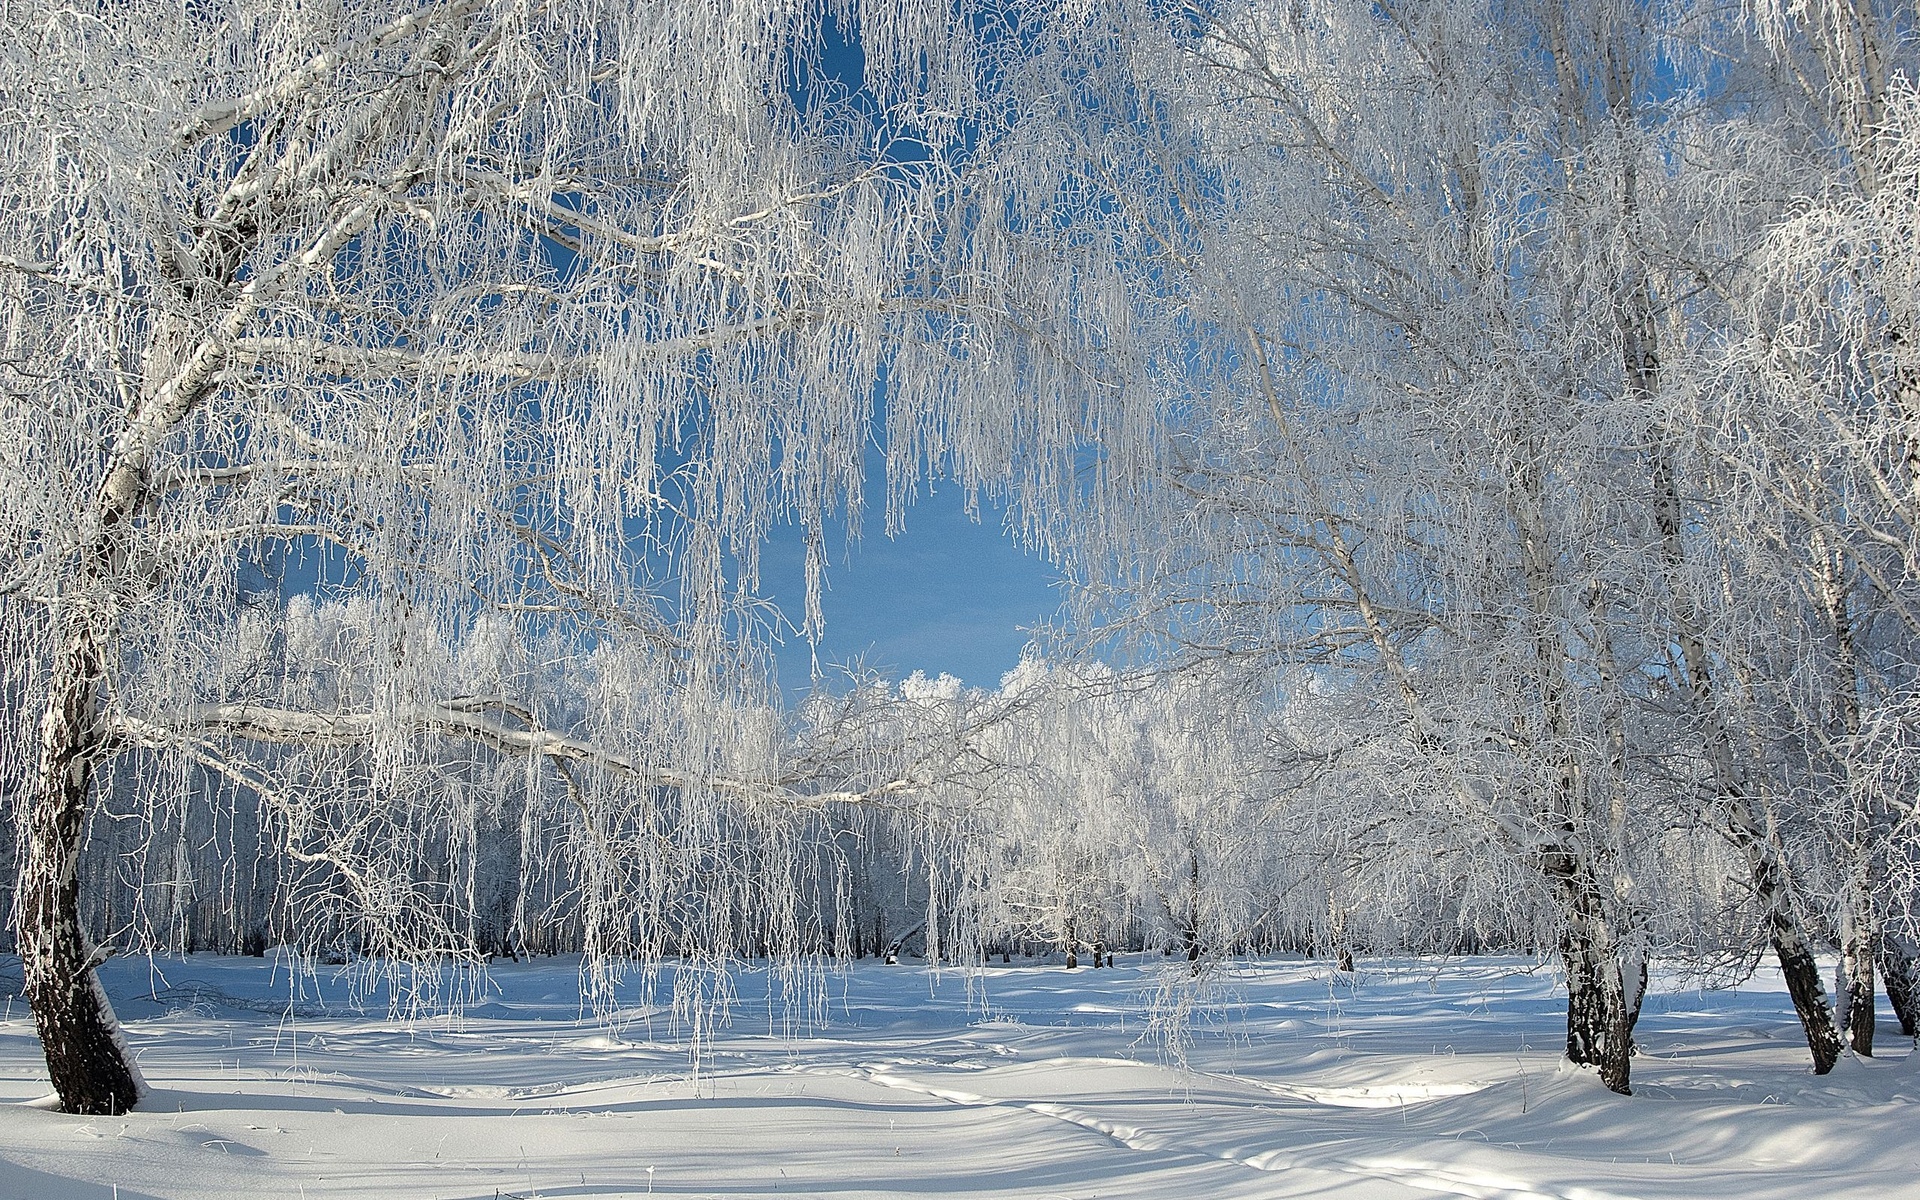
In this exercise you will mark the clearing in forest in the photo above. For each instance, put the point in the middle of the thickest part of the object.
(1412, 1078)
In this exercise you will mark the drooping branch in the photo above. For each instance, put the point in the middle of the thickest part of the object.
(474, 718)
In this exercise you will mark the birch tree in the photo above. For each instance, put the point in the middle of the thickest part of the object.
(1817, 417)
(540, 310)
(1417, 304)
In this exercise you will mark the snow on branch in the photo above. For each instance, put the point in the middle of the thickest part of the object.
(472, 717)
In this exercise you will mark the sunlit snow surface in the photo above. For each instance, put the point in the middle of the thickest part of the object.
(1418, 1078)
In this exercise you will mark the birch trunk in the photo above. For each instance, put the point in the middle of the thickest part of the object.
(1789, 940)
(1897, 969)
(1337, 933)
(1766, 861)
(1859, 947)
(88, 1063)
(1859, 924)
(90, 1066)
(1599, 1021)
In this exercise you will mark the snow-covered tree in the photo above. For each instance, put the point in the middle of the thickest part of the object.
(544, 311)
(1419, 302)
(1812, 425)
(1498, 418)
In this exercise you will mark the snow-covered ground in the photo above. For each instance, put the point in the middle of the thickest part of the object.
(1420, 1078)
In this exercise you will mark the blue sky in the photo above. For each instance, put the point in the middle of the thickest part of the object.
(946, 594)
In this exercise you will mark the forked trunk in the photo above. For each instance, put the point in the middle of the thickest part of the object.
(1599, 1020)
(1596, 1021)
(90, 1066)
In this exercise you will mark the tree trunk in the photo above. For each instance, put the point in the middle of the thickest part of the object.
(1797, 966)
(1897, 969)
(1809, 997)
(1599, 1026)
(90, 1066)
(1337, 933)
(1766, 859)
(1784, 932)
(1637, 992)
(1190, 928)
(1859, 925)
(1860, 946)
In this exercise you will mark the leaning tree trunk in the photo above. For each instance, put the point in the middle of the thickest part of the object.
(1636, 981)
(90, 1066)
(1766, 859)
(1903, 988)
(1809, 995)
(1790, 946)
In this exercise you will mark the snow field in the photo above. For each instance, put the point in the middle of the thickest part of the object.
(1414, 1079)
